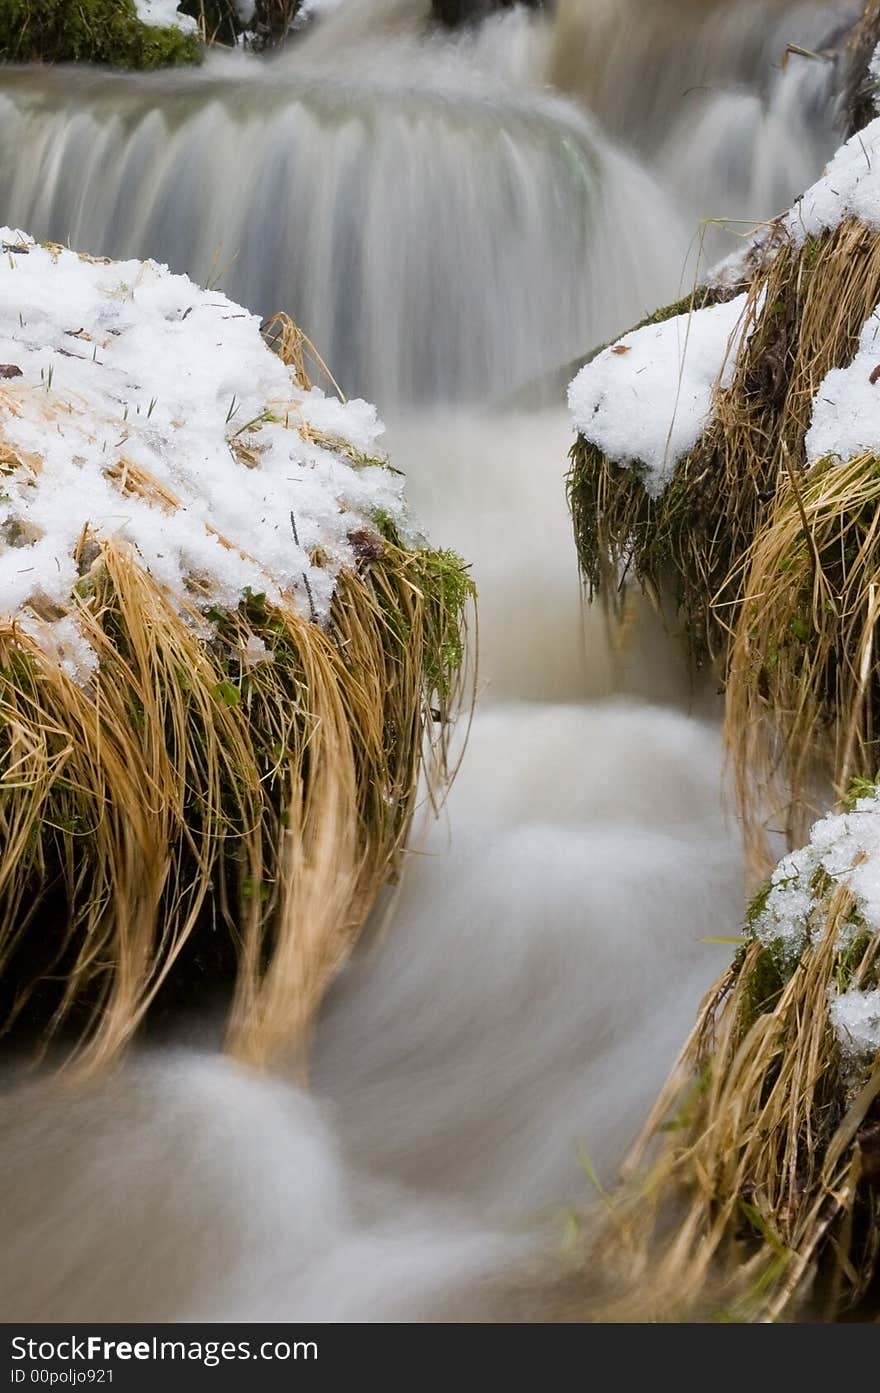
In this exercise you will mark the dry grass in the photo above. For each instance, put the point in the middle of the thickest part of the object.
(804, 671)
(753, 1192)
(228, 794)
(710, 540)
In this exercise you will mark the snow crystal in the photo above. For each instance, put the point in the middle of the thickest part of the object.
(855, 1016)
(355, 422)
(846, 408)
(647, 399)
(136, 404)
(164, 14)
(846, 847)
(874, 76)
(849, 188)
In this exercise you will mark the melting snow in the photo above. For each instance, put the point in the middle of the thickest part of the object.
(846, 846)
(846, 409)
(137, 404)
(855, 1016)
(647, 399)
(164, 14)
(849, 188)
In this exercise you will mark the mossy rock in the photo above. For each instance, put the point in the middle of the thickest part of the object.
(90, 31)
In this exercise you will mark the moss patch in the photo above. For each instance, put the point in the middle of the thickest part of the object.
(94, 31)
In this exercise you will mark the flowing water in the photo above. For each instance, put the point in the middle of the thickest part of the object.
(450, 218)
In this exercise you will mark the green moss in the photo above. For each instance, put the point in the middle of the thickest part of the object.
(89, 31)
(444, 580)
(448, 588)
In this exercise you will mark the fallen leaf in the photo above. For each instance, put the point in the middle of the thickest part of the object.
(875, 376)
(9, 370)
(620, 349)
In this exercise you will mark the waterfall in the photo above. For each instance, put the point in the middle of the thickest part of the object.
(442, 223)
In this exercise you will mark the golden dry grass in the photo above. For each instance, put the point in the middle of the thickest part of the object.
(710, 540)
(231, 787)
(804, 671)
(752, 1194)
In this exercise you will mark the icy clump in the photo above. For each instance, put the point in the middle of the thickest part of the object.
(846, 408)
(849, 188)
(137, 407)
(164, 14)
(855, 1016)
(846, 847)
(874, 76)
(646, 401)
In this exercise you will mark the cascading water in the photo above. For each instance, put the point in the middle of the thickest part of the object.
(370, 182)
(446, 225)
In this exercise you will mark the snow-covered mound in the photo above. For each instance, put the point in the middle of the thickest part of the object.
(137, 407)
(849, 188)
(646, 400)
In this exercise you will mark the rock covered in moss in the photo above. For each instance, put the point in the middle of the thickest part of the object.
(119, 33)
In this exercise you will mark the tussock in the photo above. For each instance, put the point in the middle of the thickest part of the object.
(804, 677)
(199, 790)
(228, 793)
(710, 540)
(753, 1192)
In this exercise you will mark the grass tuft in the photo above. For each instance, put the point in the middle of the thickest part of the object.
(752, 1194)
(771, 595)
(226, 796)
(90, 31)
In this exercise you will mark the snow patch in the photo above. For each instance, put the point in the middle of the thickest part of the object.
(164, 14)
(874, 76)
(846, 847)
(646, 401)
(139, 407)
(849, 188)
(846, 408)
(855, 1016)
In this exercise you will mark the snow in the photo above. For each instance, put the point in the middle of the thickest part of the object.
(136, 404)
(846, 847)
(164, 14)
(846, 408)
(849, 188)
(855, 1016)
(874, 76)
(646, 401)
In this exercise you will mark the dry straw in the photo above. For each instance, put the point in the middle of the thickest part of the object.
(229, 800)
(754, 1192)
(749, 544)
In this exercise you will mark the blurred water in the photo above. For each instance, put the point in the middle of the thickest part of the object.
(441, 222)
